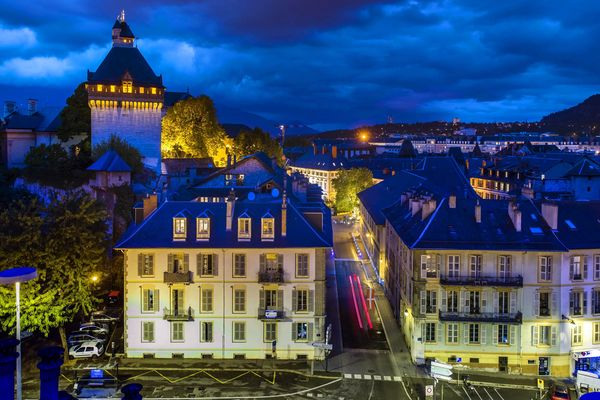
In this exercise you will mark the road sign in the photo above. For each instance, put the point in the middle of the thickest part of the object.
(439, 370)
(429, 390)
(274, 346)
(458, 359)
(270, 314)
(540, 384)
(321, 345)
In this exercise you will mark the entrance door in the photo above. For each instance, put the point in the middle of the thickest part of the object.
(503, 364)
(544, 366)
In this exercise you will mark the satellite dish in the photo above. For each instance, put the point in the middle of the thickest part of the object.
(251, 196)
(275, 192)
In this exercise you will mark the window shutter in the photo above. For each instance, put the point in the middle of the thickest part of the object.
(145, 299)
(467, 301)
(294, 330)
(280, 261)
(311, 300)
(423, 332)
(571, 302)
(496, 306)
(186, 262)
(513, 302)
(261, 300)
(151, 261)
(423, 267)
(310, 331)
(585, 303)
(423, 302)
(199, 264)
(463, 301)
(513, 334)
(438, 266)
(571, 268)
(484, 298)
(536, 304)
(508, 265)
(170, 262)
(495, 334)
(215, 264)
(549, 268)
(140, 264)
(554, 303)
(553, 336)
(466, 333)
(443, 300)
(202, 335)
(439, 328)
(156, 300)
(594, 300)
(294, 300)
(280, 300)
(482, 333)
(262, 262)
(534, 335)
(585, 267)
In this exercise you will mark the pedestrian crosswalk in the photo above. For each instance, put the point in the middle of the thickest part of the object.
(370, 377)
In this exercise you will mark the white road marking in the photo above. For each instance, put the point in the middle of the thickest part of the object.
(499, 395)
(397, 379)
(491, 398)
(405, 391)
(387, 378)
(478, 395)
(465, 390)
(348, 376)
(377, 377)
(357, 376)
(367, 377)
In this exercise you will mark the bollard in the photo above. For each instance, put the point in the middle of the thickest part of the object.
(8, 363)
(132, 391)
(49, 366)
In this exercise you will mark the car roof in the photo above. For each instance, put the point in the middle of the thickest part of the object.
(89, 343)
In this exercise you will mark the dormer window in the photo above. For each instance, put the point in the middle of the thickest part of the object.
(127, 87)
(141, 90)
(202, 228)
(244, 227)
(99, 88)
(267, 227)
(153, 90)
(113, 88)
(179, 228)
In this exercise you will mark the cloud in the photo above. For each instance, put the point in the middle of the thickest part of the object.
(17, 37)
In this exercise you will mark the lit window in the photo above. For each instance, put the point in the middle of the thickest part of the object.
(545, 268)
(577, 336)
(300, 331)
(244, 227)
(141, 90)
(99, 88)
(268, 228)
(202, 228)
(113, 88)
(153, 90)
(127, 87)
(179, 228)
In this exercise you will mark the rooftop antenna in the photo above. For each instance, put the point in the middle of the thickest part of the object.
(121, 16)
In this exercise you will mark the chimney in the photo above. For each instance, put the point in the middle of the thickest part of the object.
(49, 366)
(150, 204)
(9, 108)
(334, 151)
(284, 215)
(31, 106)
(415, 205)
(8, 363)
(230, 207)
(550, 214)
(452, 201)
(478, 212)
(515, 215)
(428, 208)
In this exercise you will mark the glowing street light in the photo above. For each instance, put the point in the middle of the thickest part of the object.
(94, 278)
(16, 276)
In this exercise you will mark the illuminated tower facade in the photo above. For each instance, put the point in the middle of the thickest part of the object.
(126, 96)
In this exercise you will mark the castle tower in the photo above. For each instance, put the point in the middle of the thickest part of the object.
(126, 96)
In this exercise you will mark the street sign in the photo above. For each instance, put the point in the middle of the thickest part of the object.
(321, 345)
(458, 359)
(269, 314)
(274, 346)
(540, 384)
(429, 390)
(439, 370)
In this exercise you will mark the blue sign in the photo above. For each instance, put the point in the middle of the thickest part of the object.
(458, 359)
(97, 374)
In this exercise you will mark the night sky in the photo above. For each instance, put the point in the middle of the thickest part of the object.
(327, 63)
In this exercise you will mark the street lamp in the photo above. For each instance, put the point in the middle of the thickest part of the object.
(16, 276)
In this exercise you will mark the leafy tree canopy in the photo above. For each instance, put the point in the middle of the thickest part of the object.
(76, 117)
(128, 153)
(66, 241)
(249, 142)
(347, 185)
(190, 129)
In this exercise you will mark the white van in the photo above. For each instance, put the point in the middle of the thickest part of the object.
(587, 381)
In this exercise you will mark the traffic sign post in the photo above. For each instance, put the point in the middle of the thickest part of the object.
(429, 391)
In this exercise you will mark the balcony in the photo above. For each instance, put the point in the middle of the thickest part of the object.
(270, 276)
(505, 281)
(270, 314)
(178, 314)
(178, 277)
(508, 318)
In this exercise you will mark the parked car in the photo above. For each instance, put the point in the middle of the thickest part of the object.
(94, 328)
(103, 317)
(92, 349)
(560, 392)
(77, 338)
(113, 297)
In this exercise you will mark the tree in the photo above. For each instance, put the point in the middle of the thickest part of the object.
(76, 117)
(348, 184)
(190, 129)
(66, 241)
(127, 152)
(249, 142)
(407, 150)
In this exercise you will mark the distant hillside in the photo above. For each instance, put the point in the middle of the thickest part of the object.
(584, 118)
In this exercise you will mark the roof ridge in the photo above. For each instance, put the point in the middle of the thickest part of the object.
(428, 223)
(292, 206)
(152, 214)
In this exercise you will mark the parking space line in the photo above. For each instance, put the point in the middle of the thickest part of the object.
(499, 395)
(478, 395)
(387, 378)
(491, 398)
(465, 390)
(397, 379)
(348, 376)
(405, 390)
(367, 377)
(377, 377)
(357, 376)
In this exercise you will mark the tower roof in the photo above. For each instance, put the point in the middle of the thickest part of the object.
(125, 29)
(121, 61)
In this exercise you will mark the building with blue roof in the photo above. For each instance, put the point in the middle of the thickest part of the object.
(110, 170)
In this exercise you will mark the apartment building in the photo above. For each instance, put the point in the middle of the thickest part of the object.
(321, 169)
(493, 285)
(233, 279)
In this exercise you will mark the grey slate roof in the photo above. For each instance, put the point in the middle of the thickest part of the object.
(579, 224)
(323, 162)
(110, 162)
(157, 230)
(585, 167)
(455, 228)
(46, 119)
(121, 60)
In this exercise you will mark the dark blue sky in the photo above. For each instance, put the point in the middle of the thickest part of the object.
(328, 63)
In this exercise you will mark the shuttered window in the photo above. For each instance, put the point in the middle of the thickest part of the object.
(148, 331)
(239, 331)
(145, 264)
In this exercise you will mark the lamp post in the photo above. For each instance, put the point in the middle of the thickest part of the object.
(16, 276)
